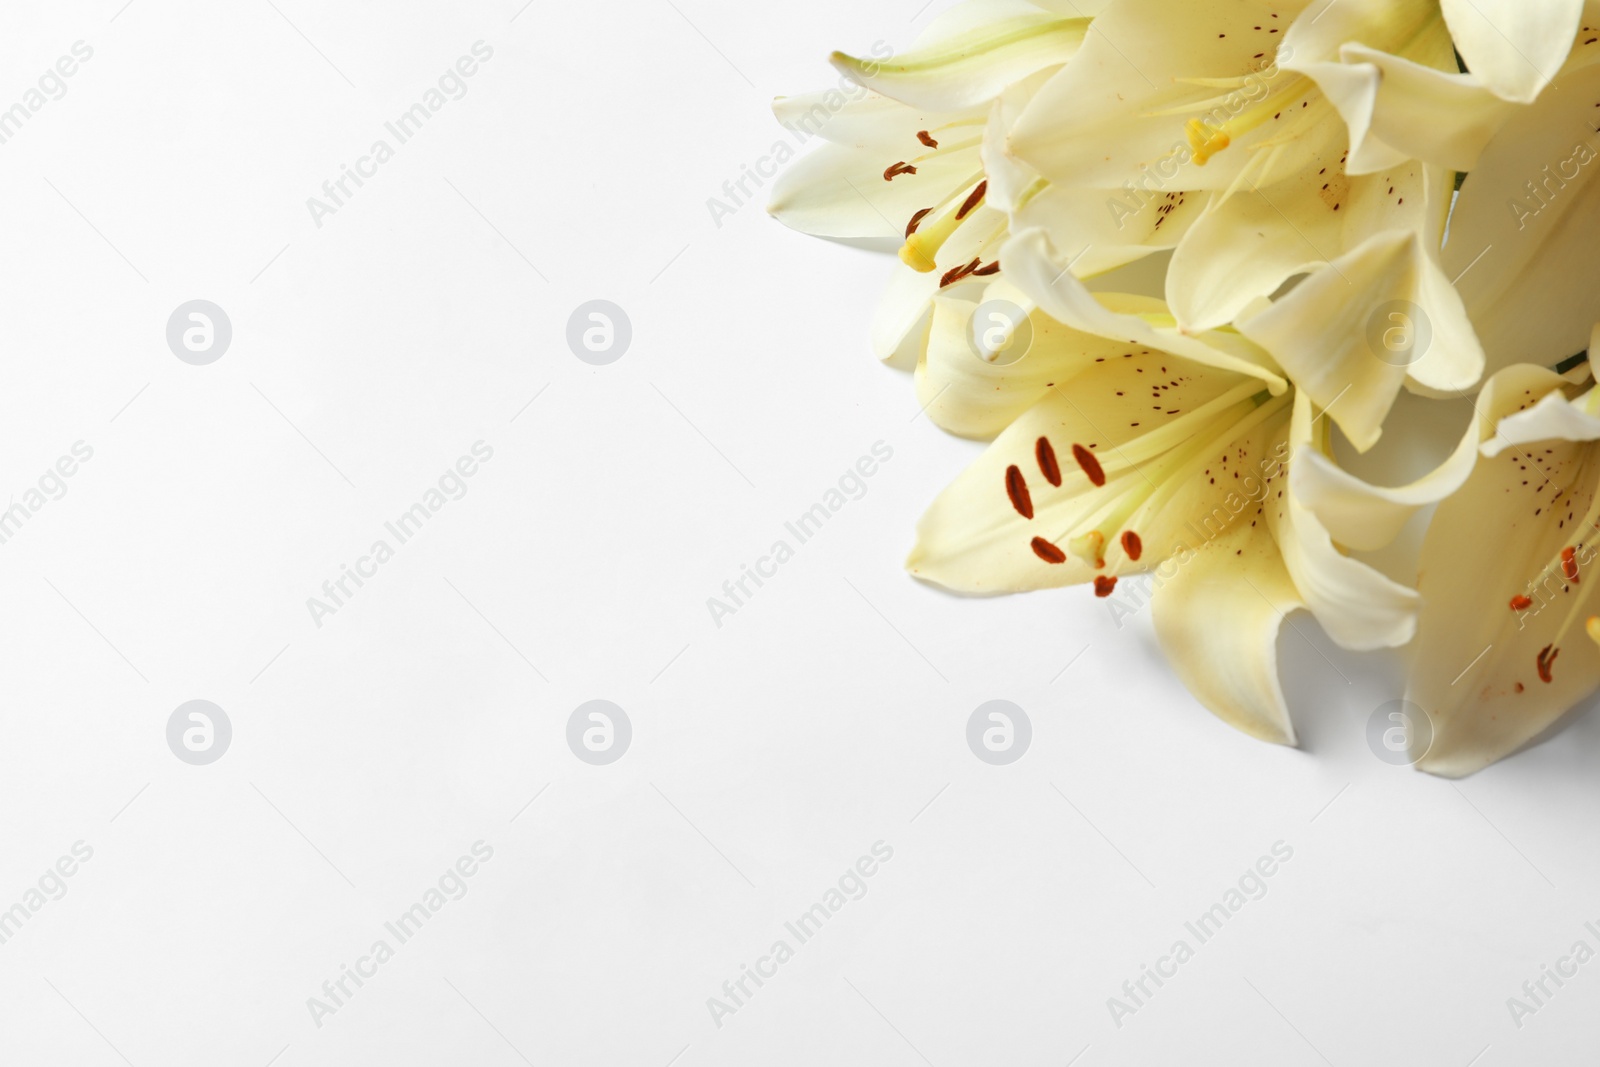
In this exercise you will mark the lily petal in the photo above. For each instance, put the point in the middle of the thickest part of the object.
(1524, 245)
(1515, 46)
(973, 396)
(1075, 8)
(1389, 67)
(857, 117)
(1357, 606)
(1553, 418)
(971, 65)
(1498, 603)
(1351, 333)
(1398, 109)
(1112, 226)
(1033, 265)
(1218, 619)
(840, 190)
(1365, 517)
(1249, 243)
(1145, 68)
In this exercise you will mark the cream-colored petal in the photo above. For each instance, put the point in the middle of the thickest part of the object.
(1074, 8)
(853, 116)
(1349, 334)
(976, 389)
(1248, 244)
(1389, 68)
(1515, 46)
(1477, 668)
(1357, 606)
(840, 191)
(1553, 418)
(1137, 81)
(1034, 265)
(1217, 612)
(1012, 182)
(1525, 236)
(1413, 110)
(1361, 516)
(900, 323)
(972, 66)
(1113, 227)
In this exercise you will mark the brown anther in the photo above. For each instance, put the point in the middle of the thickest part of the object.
(985, 271)
(1569, 565)
(898, 169)
(973, 199)
(1048, 552)
(1090, 465)
(955, 274)
(1047, 461)
(1521, 603)
(916, 220)
(927, 139)
(1103, 585)
(1545, 661)
(1132, 545)
(1017, 490)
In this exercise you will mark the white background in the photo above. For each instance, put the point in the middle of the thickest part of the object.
(768, 754)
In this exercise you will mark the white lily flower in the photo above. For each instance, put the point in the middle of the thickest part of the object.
(905, 160)
(1202, 100)
(1504, 646)
(1188, 457)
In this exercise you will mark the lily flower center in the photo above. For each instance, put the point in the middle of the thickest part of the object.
(1163, 462)
(1226, 121)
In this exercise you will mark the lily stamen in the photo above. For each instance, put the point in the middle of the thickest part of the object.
(1089, 547)
(1207, 138)
(922, 246)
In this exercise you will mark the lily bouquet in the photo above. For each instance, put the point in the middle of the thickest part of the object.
(1344, 200)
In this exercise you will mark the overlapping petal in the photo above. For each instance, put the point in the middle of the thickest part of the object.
(971, 55)
(1501, 654)
(1352, 333)
(1524, 246)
